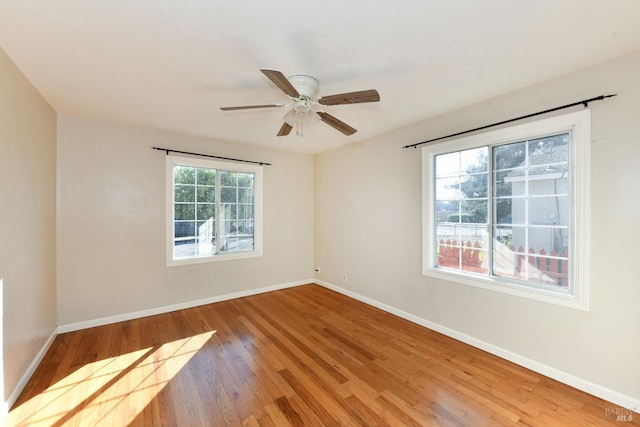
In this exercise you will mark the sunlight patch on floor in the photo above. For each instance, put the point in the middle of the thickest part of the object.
(122, 385)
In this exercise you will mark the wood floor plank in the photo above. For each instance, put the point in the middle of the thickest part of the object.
(285, 414)
(309, 417)
(328, 414)
(303, 356)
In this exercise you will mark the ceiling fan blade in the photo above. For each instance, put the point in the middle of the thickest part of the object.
(370, 95)
(281, 81)
(336, 124)
(285, 129)
(249, 107)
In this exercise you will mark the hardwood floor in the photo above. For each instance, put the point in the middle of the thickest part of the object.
(300, 356)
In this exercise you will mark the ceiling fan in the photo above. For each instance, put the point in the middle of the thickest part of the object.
(303, 92)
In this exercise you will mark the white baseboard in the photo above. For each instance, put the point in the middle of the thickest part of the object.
(15, 393)
(597, 390)
(70, 327)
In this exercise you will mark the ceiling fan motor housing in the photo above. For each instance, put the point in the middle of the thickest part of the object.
(306, 86)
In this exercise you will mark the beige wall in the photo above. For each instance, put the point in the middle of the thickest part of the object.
(111, 223)
(27, 222)
(368, 225)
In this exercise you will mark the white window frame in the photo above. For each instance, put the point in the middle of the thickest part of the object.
(578, 125)
(256, 170)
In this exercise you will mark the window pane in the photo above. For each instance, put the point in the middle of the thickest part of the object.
(509, 156)
(237, 235)
(206, 211)
(245, 195)
(245, 180)
(229, 179)
(206, 194)
(474, 161)
(475, 212)
(503, 183)
(249, 212)
(245, 211)
(518, 213)
(555, 187)
(465, 252)
(503, 235)
(447, 231)
(245, 242)
(184, 175)
(553, 269)
(206, 176)
(184, 211)
(504, 256)
(444, 208)
(229, 226)
(184, 229)
(548, 158)
(548, 210)
(447, 164)
(229, 195)
(184, 248)
(462, 210)
(206, 237)
(184, 193)
(228, 240)
(448, 189)
(193, 248)
(474, 186)
(243, 227)
(205, 247)
(502, 211)
(228, 211)
(536, 247)
(538, 268)
(206, 229)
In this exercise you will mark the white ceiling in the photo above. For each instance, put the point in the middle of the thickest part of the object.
(171, 64)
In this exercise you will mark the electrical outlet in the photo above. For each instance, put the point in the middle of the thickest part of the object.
(345, 277)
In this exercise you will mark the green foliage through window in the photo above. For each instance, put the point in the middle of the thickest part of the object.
(200, 196)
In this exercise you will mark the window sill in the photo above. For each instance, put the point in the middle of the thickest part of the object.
(214, 258)
(510, 288)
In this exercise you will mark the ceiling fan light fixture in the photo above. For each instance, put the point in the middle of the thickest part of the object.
(301, 116)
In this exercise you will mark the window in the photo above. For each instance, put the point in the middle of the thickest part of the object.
(214, 210)
(508, 210)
